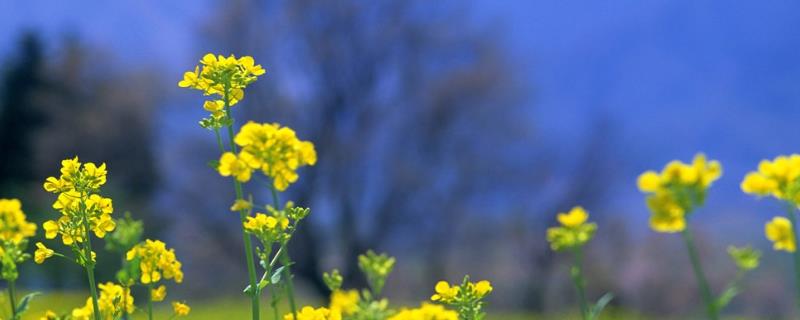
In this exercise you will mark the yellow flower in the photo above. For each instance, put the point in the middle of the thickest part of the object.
(426, 311)
(158, 294)
(231, 165)
(577, 216)
(345, 302)
(309, 313)
(777, 178)
(156, 261)
(482, 288)
(780, 231)
(573, 232)
(14, 225)
(268, 228)
(276, 151)
(49, 315)
(241, 204)
(677, 190)
(113, 301)
(180, 309)
(224, 77)
(444, 292)
(42, 253)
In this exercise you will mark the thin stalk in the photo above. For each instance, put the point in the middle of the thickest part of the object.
(792, 215)
(289, 286)
(580, 284)
(12, 300)
(705, 290)
(286, 261)
(89, 265)
(237, 186)
(150, 301)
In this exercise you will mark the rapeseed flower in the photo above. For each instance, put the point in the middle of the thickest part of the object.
(310, 313)
(180, 309)
(781, 232)
(223, 77)
(42, 253)
(745, 258)
(777, 178)
(466, 298)
(159, 293)
(114, 301)
(14, 226)
(573, 231)
(677, 190)
(273, 149)
(426, 311)
(344, 301)
(156, 262)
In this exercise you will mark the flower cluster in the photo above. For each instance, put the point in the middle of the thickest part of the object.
(310, 313)
(224, 77)
(345, 302)
(467, 298)
(180, 309)
(82, 209)
(781, 232)
(155, 262)
(777, 178)
(14, 233)
(114, 301)
(573, 232)
(426, 311)
(677, 190)
(14, 226)
(273, 149)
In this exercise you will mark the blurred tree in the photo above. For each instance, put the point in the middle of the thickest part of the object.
(416, 116)
(20, 117)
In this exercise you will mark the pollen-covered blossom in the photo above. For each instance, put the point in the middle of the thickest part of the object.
(156, 262)
(14, 226)
(224, 77)
(114, 300)
(273, 149)
(426, 311)
(345, 301)
(310, 313)
(777, 178)
(677, 190)
(573, 232)
(181, 309)
(781, 232)
(79, 202)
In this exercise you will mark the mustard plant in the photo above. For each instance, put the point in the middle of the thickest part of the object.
(672, 197)
(273, 149)
(15, 230)
(572, 233)
(780, 179)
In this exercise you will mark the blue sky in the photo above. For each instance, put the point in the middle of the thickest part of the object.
(671, 77)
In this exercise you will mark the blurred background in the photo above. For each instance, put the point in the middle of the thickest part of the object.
(449, 135)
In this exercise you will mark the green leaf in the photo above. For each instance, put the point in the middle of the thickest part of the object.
(25, 301)
(600, 305)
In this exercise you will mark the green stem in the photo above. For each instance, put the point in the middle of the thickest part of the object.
(89, 265)
(792, 215)
(705, 290)
(248, 246)
(580, 284)
(150, 301)
(12, 300)
(287, 275)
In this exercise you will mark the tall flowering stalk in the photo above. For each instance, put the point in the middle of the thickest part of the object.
(780, 179)
(83, 212)
(672, 196)
(274, 150)
(15, 230)
(572, 233)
